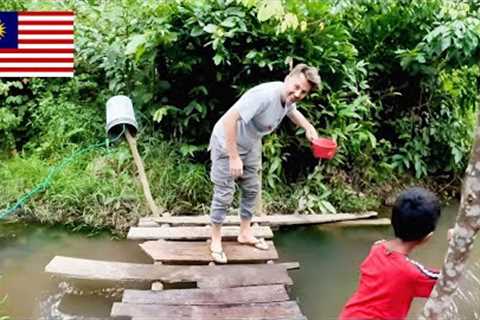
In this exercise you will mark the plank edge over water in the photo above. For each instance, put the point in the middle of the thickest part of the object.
(183, 318)
(274, 310)
(211, 296)
(88, 269)
(199, 252)
(192, 233)
(270, 220)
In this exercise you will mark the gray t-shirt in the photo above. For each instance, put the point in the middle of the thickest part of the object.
(261, 111)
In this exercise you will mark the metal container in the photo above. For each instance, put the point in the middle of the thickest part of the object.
(119, 114)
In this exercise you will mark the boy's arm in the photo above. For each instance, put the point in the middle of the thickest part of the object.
(425, 280)
(298, 118)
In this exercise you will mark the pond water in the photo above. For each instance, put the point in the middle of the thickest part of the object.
(329, 257)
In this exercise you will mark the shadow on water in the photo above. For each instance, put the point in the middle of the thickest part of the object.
(329, 257)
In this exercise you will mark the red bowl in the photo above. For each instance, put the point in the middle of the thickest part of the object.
(324, 148)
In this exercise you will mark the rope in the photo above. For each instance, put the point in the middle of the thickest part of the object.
(42, 186)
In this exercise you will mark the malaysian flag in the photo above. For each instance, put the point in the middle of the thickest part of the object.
(36, 44)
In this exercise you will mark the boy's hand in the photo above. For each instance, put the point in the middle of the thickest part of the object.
(450, 234)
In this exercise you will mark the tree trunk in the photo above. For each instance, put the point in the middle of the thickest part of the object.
(440, 304)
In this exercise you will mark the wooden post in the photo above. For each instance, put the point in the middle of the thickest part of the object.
(440, 304)
(132, 142)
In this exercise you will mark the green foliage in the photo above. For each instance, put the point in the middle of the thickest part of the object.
(454, 40)
(313, 195)
(10, 120)
(272, 163)
(100, 189)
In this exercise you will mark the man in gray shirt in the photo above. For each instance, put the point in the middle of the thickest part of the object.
(236, 152)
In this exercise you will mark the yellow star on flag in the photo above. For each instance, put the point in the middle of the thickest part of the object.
(3, 30)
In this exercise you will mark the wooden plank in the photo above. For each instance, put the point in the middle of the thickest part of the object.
(147, 222)
(282, 318)
(366, 223)
(257, 311)
(191, 233)
(214, 296)
(271, 220)
(218, 276)
(302, 317)
(291, 265)
(199, 252)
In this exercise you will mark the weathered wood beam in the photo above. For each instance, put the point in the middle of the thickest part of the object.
(195, 252)
(218, 276)
(192, 233)
(270, 220)
(264, 311)
(211, 296)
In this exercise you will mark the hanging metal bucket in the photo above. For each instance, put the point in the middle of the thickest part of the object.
(120, 113)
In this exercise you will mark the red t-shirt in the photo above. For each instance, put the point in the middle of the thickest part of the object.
(388, 283)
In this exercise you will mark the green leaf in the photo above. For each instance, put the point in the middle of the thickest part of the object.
(196, 31)
(210, 28)
(217, 59)
(446, 43)
(135, 42)
(420, 58)
(373, 139)
(162, 112)
(328, 206)
(268, 9)
(229, 22)
(275, 165)
(457, 155)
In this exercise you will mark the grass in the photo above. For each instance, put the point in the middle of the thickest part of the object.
(100, 190)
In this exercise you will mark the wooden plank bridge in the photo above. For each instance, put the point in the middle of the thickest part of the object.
(186, 284)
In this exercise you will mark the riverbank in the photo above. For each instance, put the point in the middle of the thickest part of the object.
(100, 191)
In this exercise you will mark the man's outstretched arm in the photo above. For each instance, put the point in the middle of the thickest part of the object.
(298, 118)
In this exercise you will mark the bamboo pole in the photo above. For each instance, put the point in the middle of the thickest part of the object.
(132, 142)
(440, 304)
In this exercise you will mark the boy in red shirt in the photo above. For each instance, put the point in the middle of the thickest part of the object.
(389, 280)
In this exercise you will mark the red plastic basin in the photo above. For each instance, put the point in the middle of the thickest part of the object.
(324, 148)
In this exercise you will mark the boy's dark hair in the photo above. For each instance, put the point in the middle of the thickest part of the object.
(415, 214)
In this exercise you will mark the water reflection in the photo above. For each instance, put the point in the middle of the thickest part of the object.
(467, 296)
(25, 250)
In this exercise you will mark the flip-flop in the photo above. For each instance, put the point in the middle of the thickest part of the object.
(218, 256)
(259, 244)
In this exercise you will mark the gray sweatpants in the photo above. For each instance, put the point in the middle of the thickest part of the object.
(224, 183)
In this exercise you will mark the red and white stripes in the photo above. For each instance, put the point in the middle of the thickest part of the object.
(45, 46)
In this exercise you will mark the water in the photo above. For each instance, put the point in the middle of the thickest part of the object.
(329, 258)
(25, 250)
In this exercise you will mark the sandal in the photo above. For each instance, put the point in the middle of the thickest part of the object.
(259, 244)
(218, 256)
